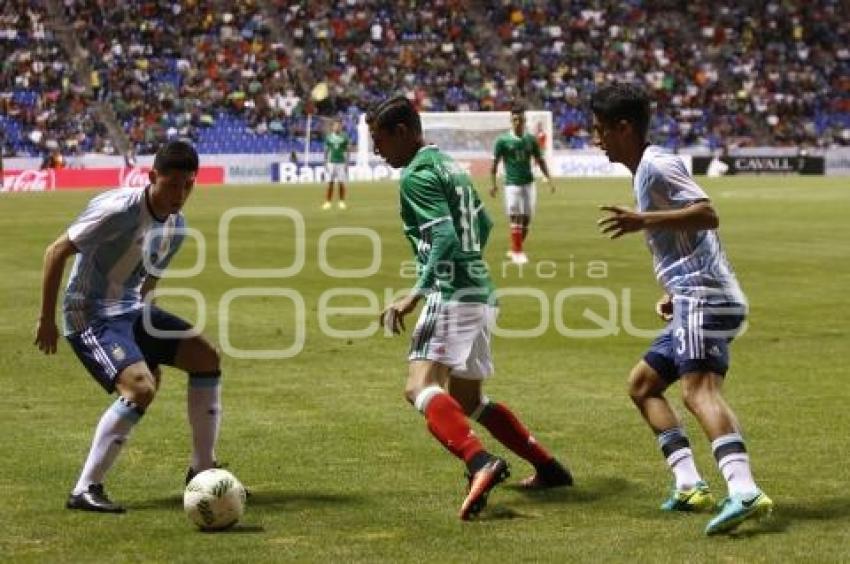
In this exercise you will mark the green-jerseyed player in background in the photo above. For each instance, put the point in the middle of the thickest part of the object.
(447, 226)
(336, 158)
(517, 148)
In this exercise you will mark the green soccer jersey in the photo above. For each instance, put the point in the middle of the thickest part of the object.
(517, 153)
(336, 145)
(447, 226)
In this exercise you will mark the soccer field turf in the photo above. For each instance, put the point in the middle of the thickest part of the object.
(342, 469)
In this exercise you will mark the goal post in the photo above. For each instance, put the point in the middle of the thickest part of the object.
(466, 135)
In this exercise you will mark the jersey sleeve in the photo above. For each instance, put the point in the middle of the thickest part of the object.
(679, 187)
(422, 193)
(101, 221)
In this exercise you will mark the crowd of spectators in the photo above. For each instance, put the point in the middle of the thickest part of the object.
(179, 68)
(43, 109)
(722, 72)
(239, 76)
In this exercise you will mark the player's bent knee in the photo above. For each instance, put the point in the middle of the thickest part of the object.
(208, 354)
(138, 387)
(215, 356)
(643, 383)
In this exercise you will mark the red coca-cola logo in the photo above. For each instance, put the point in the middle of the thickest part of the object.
(28, 181)
(136, 177)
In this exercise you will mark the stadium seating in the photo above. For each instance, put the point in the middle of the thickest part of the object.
(41, 107)
(723, 73)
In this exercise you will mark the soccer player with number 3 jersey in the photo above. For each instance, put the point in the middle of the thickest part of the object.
(703, 305)
(447, 226)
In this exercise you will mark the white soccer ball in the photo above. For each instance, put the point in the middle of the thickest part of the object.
(214, 499)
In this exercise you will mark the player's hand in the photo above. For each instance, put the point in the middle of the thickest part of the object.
(621, 221)
(393, 317)
(664, 307)
(46, 336)
(551, 185)
(493, 191)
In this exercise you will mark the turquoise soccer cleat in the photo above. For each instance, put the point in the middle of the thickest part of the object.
(736, 509)
(695, 499)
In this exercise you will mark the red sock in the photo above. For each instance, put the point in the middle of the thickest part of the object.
(516, 238)
(341, 192)
(330, 192)
(508, 430)
(448, 424)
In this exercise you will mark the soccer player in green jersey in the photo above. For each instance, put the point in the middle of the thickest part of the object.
(447, 227)
(336, 157)
(517, 148)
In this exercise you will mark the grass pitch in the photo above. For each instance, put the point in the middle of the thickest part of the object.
(343, 470)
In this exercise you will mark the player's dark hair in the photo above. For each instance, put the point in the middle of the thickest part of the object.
(518, 108)
(394, 111)
(617, 102)
(176, 155)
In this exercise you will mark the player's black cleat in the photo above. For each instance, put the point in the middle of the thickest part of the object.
(93, 499)
(480, 484)
(549, 475)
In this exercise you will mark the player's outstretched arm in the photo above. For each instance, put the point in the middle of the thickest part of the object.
(696, 217)
(46, 331)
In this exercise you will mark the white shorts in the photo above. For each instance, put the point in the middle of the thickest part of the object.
(520, 200)
(338, 172)
(457, 335)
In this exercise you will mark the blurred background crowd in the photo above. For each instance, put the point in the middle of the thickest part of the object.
(240, 76)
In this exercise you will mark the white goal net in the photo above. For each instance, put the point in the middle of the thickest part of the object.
(467, 135)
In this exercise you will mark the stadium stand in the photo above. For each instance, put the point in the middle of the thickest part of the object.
(237, 77)
(43, 107)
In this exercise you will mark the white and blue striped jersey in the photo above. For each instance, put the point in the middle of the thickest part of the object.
(687, 263)
(117, 235)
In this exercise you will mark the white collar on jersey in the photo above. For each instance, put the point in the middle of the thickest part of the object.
(428, 146)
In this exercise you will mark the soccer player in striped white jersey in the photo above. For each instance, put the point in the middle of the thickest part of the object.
(703, 306)
(122, 242)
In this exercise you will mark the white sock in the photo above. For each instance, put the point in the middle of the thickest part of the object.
(109, 437)
(734, 463)
(684, 469)
(677, 451)
(203, 403)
